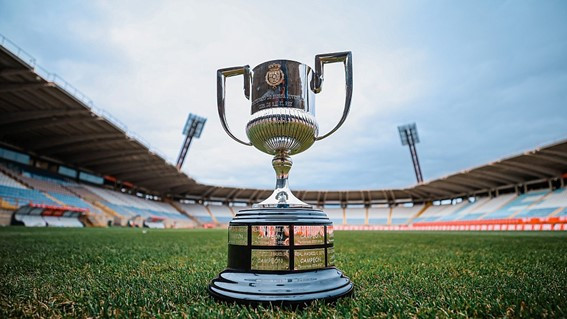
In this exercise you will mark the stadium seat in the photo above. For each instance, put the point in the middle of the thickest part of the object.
(222, 213)
(516, 205)
(199, 211)
(401, 215)
(378, 215)
(355, 216)
(335, 215)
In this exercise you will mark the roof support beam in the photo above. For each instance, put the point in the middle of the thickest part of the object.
(58, 141)
(435, 189)
(254, 195)
(24, 116)
(473, 181)
(496, 176)
(552, 159)
(543, 171)
(8, 88)
(555, 153)
(153, 176)
(232, 193)
(130, 168)
(138, 175)
(209, 192)
(81, 147)
(17, 128)
(13, 71)
(410, 193)
(521, 169)
(171, 184)
(421, 194)
(180, 188)
(106, 157)
(462, 186)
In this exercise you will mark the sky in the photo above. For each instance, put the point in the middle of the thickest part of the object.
(483, 80)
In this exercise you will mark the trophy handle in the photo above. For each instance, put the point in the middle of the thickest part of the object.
(222, 74)
(317, 84)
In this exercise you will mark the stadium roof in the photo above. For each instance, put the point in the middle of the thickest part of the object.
(45, 116)
(538, 165)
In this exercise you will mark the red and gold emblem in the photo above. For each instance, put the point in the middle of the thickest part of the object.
(275, 75)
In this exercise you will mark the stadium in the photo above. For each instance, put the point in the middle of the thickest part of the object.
(79, 158)
(142, 238)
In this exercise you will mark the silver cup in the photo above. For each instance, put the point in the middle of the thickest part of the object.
(283, 112)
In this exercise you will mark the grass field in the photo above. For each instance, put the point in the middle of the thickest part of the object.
(125, 273)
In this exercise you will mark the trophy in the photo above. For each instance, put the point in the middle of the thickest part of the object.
(282, 250)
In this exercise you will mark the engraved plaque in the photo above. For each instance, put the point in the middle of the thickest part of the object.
(331, 256)
(308, 235)
(238, 235)
(330, 235)
(272, 259)
(270, 235)
(309, 259)
(282, 84)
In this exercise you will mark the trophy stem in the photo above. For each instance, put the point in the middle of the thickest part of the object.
(282, 197)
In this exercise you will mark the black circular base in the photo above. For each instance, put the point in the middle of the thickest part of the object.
(292, 288)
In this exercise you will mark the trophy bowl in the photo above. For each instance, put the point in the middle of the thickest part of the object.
(282, 250)
(283, 108)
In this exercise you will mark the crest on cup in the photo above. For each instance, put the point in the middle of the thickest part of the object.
(275, 75)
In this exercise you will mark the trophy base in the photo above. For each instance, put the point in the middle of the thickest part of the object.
(281, 256)
(287, 289)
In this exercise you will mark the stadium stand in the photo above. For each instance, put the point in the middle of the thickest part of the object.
(5, 180)
(490, 206)
(21, 196)
(221, 213)
(199, 211)
(516, 205)
(356, 216)
(402, 214)
(553, 204)
(443, 212)
(335, 215)
(130, 206)
(42, 215)
(465, 209)
(60, 193)
(378, 215)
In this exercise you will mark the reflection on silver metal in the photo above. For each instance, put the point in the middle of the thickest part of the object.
(308, 235)
(273, 259)
(306, 259)
(238, 235)
(283, 123)
(270, 235)
(328, 284)
(330, 235)
(330, 256)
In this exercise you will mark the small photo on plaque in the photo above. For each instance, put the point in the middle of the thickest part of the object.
(308, 235)
(305, 259)
(330, 256)
(263, 259)
(238, 235)
(330, 235)
(270, 235)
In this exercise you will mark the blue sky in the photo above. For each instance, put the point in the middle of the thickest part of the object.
(482, 79)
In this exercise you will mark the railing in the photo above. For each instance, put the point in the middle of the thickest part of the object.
(76, 93)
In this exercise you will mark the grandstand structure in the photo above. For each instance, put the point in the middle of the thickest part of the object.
(58, 150)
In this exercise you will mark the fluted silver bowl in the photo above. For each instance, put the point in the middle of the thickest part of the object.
(282, 129)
